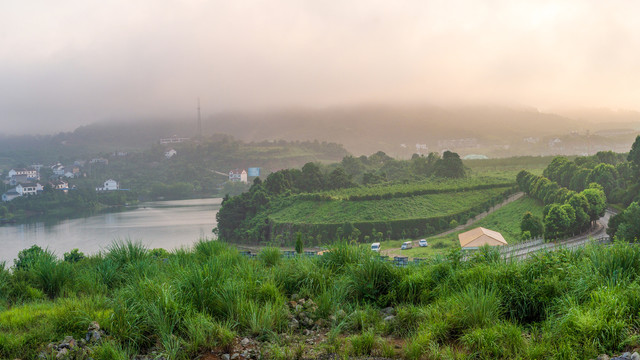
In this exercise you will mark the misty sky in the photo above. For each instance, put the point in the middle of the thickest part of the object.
(71, 62)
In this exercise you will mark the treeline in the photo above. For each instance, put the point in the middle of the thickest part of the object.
(616, 175)
(567, 212)
(56, 202)
(610, 170)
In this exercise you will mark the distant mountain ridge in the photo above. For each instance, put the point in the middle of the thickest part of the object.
(361, 129)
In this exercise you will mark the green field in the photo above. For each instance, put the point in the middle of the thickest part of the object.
(434, 184)
(508, 167)
(505, 220)
(425, 206)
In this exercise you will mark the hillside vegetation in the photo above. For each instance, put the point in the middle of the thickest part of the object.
(204, 301)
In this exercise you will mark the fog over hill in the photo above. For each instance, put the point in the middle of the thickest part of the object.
(491, 130)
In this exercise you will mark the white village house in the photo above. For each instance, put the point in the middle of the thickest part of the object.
(109, 185)
(169, 153)
(238, 175)
(29, 189)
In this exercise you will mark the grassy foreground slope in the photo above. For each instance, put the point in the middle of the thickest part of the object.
(190, 303)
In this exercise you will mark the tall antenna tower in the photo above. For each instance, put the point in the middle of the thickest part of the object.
(199, 134)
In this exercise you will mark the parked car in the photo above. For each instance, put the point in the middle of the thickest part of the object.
(423, 243)
(406, 245)
(375, 247)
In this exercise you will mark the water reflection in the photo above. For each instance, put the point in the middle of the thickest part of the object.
(166, 224)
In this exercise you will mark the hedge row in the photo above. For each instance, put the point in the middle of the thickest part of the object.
(401, 194)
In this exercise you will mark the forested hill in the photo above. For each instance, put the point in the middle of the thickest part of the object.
(493, 131)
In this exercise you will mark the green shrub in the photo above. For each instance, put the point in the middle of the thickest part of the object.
(126, 252)
(476, 307)
(270, 256)
(73, 256)
(202, 333)
(50, 275)
(371, 280)
(363, 344)
(500, 341)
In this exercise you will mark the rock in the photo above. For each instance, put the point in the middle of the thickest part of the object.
(389, 311)
(307, 332)
(293, 304)
(245, 354)
(295, 297)
(389, 318)
(298, 308)
(603, 357)
(226, 357)
(94, 326)
(626, 355)
(62, 354)
(245, 342)
(635, 356)
(332, 318)
(294, 324)
(235, 356)
(301, 301)
(93, 336)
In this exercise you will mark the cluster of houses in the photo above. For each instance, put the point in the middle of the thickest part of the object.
(26, 181)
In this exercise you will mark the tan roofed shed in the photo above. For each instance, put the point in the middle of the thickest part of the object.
(480, 236)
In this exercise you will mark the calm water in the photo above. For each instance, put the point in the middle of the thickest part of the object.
(162, 224)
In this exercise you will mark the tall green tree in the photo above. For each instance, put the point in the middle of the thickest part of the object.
(532, 224)
(450, 166)
(634, 155)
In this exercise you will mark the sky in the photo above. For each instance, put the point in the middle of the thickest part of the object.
(71, 62)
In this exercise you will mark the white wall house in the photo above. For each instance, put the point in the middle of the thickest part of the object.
(238, 175)
(109, 185)
(23, 175)
(29, 189)
(169, 153)
(60, 185)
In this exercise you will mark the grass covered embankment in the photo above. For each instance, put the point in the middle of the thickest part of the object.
(506, 220)
(181, 305)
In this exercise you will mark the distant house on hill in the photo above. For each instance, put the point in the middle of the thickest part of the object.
(473, 239)
(59, 185)
(169, 153)
(10, 195)
(23, 175)
(109, 185)
(29, 189)
(238, 175)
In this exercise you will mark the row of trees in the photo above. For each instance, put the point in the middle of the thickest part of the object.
(380, 167)
(566, 212)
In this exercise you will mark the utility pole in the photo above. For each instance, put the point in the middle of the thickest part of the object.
(199, 134)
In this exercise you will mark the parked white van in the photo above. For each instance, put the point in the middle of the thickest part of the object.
(406, 245)
(375, 247)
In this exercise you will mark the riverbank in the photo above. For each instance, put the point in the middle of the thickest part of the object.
(162, 224)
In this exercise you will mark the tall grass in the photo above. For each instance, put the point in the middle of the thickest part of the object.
(562, 304)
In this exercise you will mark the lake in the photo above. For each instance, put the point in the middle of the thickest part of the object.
(159, 224)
